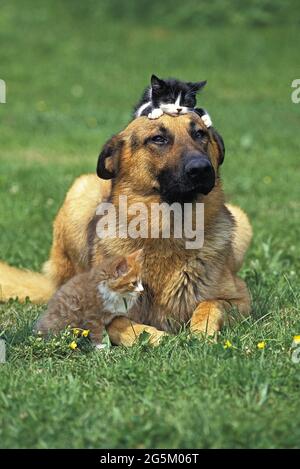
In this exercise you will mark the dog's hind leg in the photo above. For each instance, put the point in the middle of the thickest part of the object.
(71, 245)
(242, 236)
(58, 268)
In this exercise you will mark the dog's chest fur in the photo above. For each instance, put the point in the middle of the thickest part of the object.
(177, 280)
(174, 289)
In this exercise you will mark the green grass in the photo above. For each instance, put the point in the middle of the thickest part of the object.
(73, 75)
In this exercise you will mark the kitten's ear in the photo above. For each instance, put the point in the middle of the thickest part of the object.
(121, 267)
(197, 86)
(136, 256)
(108, 160)
(157, 83)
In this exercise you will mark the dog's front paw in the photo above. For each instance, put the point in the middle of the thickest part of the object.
(155, 336)
(155, 114)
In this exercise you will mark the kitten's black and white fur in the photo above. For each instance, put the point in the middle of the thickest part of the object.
(172, 97)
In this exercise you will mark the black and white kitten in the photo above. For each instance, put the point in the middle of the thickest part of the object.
(172, 97)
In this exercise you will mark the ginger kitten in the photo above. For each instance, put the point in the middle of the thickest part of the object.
(92, 299)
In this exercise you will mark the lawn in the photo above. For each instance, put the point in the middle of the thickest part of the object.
(73, 73)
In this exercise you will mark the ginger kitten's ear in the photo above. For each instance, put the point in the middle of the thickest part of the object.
(121, 267)
(124, 264)
(136, 256)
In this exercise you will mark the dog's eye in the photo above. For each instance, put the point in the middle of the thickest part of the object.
(159, 140)
(200, 134)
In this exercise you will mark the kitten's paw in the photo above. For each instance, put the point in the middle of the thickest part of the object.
(155, 114)
(207, 120)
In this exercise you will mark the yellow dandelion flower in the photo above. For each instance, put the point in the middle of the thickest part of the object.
(85, 332)
(227, 344)
(261, 345)
(297, 339)
(73, 345)
(76, 331)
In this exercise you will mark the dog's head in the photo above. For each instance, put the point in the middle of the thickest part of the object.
(175, 158)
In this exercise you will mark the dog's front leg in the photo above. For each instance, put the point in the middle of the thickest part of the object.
(209, 317)
(123, 331)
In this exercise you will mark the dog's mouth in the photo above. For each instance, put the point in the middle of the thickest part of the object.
(178, 190)
(182, 196)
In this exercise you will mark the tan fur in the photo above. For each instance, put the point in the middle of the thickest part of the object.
(182, 285)
(207, 317)
(242, 235)
(17, 283)
(69, 254)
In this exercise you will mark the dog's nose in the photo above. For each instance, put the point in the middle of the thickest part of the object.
(179, 109)
(197, 168)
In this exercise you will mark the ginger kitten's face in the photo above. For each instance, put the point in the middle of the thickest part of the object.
(126, 275)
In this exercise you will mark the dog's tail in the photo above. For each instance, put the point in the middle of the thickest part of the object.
(242, 235)
(22, 284)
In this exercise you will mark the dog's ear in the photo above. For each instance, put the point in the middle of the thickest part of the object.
(108, 160)
(220, 144)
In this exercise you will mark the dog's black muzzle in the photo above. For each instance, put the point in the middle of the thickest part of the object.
(195, 176)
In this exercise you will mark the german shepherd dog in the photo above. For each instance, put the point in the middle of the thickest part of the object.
(153, 161)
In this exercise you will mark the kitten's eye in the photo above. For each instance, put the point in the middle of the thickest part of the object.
(136, 286)
(189, 102)
(159, 140)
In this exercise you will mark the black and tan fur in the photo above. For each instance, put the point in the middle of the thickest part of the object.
(199, 287)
